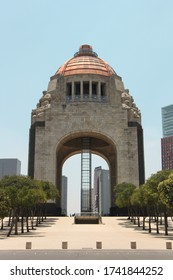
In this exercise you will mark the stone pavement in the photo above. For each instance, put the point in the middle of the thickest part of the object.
(114, 233)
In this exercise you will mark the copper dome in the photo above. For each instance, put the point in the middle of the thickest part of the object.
(85, 61)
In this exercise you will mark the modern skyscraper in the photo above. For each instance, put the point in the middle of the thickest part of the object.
(9, 167)
(101, 191)
(167, 140)
(64, 195)
(167, 121)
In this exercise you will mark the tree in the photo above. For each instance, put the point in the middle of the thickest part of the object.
(13, 186)
(123, 193)
(135, 202)
(26, 197)
(165, 189)
(154, 196)
(154, 180)
(138, 201)
(151, 202)
(50, 192)
(4, 205)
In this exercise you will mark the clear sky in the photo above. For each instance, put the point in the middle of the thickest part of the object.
(37, 36)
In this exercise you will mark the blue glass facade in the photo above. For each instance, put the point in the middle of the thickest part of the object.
(167, 140)
(167, 121)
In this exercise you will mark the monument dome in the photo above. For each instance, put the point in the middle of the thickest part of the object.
(85, 61)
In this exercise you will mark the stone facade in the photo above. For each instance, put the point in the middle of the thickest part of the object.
(86, 104)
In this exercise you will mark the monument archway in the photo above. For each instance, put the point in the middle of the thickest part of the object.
(86, 102)
(100, 145)
(71, 184)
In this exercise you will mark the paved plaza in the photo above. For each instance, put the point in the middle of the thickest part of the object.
(114, 233)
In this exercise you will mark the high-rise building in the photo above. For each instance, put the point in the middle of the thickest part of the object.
(167, 140)
(167, 121)
(9, 167)
(101, 191)
(64, 195)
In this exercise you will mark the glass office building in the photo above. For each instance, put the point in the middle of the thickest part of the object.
(167, 121)
(167, 140)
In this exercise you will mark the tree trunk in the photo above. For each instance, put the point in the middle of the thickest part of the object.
(2, 224)
(138, 221)
(166, 222)
(128, 213)
(143, 224)
(32, 219)
(149, 229)
(37, 221)
(27, 224)
(45, 211)
(157, 223)
(22, 227)
(9, 220)
(32, 222)
(16, 225)
(11, 227)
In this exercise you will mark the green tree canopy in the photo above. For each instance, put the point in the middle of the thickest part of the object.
(123, 193)
(165, 189)
(4, 204)
(25, 195)
(154, 180)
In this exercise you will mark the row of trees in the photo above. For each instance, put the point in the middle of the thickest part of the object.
(152, 200)
(21, 199)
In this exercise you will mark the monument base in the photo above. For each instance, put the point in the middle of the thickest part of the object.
(87, 218)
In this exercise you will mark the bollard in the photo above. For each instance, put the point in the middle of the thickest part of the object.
(168, 245)
(98, 245)
(28, 245)
(64, 245)
(133, 245)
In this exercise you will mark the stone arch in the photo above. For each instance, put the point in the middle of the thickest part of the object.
(101, 145)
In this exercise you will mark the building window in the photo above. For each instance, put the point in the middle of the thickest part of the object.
(103, 91)
(85, 90)
(94, 90)
(77, 90)
(69, 91)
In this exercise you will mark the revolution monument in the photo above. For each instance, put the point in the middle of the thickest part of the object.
(86, 109)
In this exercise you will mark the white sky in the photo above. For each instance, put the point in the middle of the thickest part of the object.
(134, 37)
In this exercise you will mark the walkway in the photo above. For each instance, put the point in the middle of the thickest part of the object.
(114, 233)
